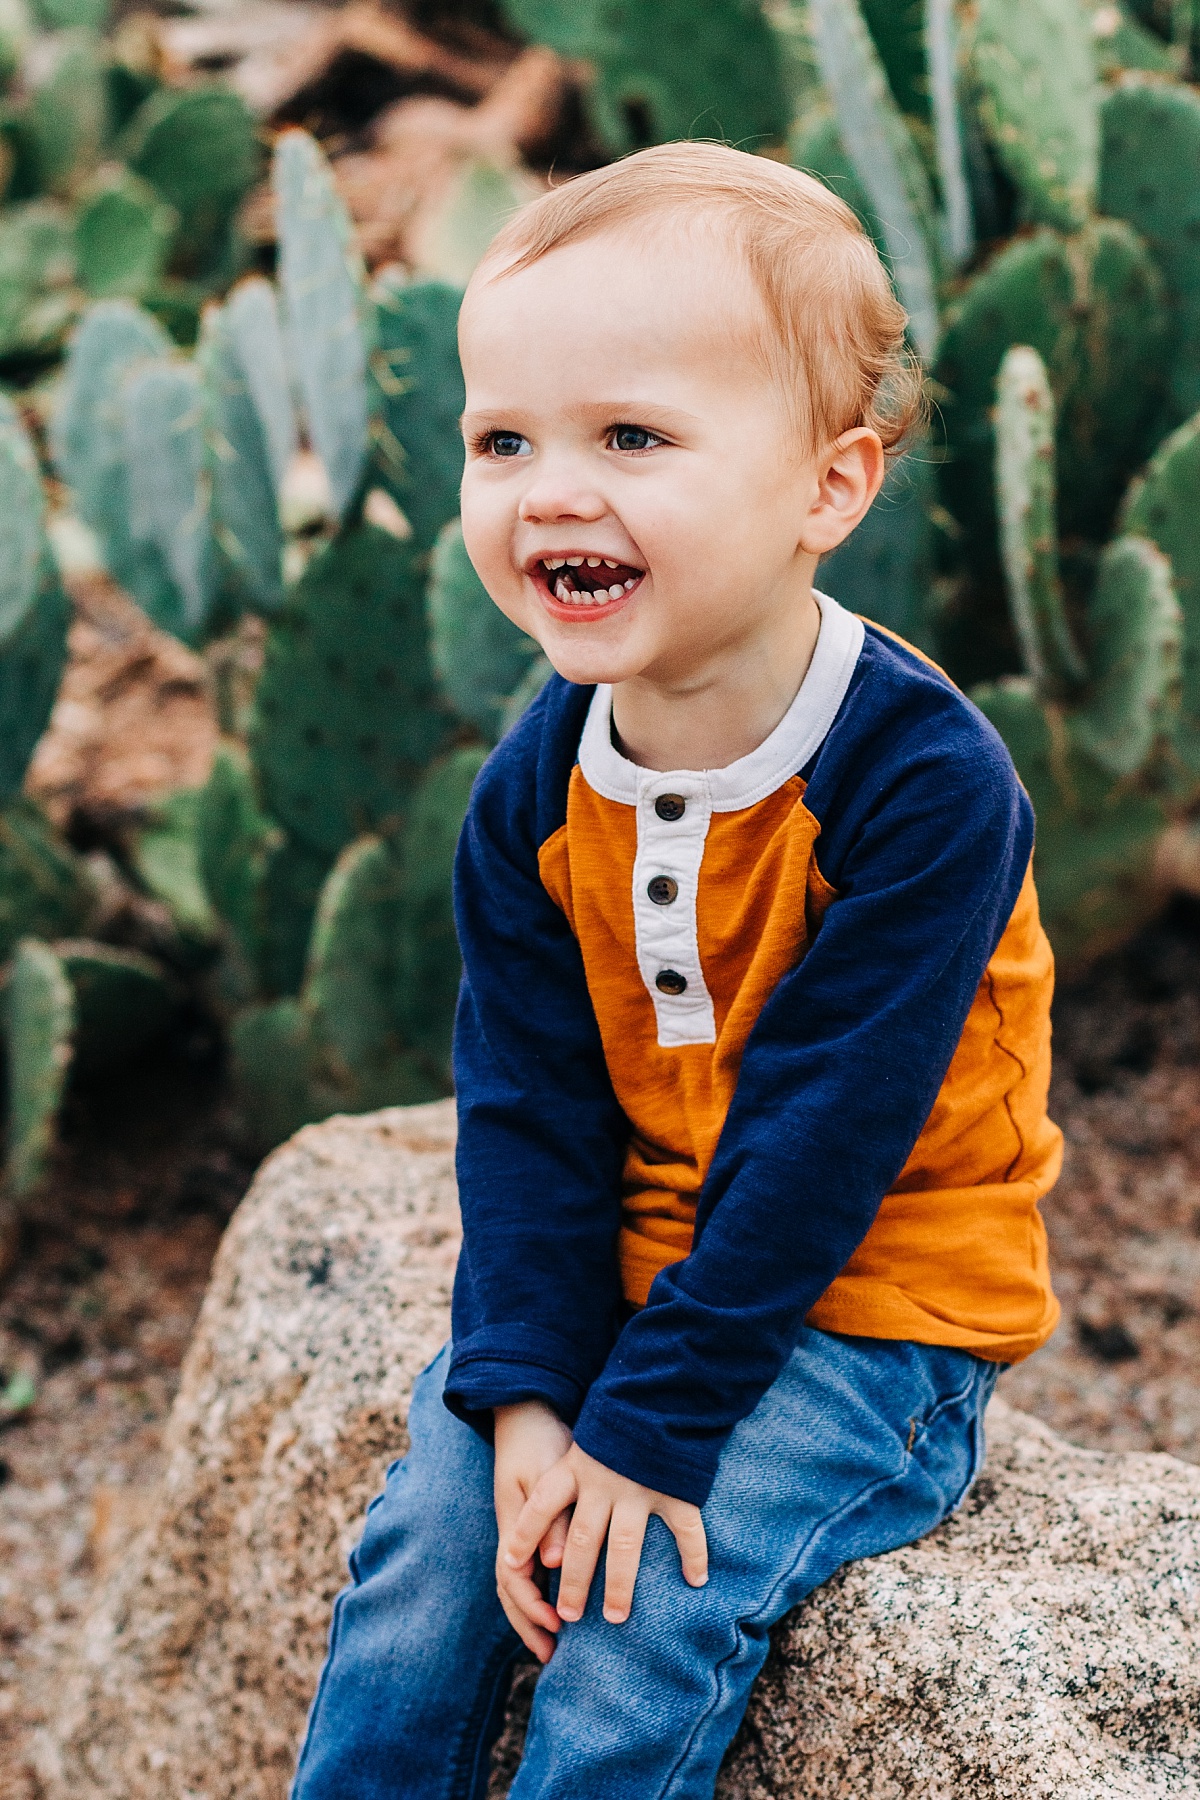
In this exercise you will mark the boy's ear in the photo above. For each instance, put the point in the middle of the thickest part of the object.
(849, 475)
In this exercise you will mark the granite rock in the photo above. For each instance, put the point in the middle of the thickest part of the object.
(1045, 1641)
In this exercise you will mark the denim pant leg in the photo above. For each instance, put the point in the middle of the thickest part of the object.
(412, 1692)
(858, 1447)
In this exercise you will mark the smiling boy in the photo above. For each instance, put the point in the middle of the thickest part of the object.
(753, 1044)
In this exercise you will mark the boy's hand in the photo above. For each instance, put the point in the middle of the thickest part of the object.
(606, 1505)
(530, 1439)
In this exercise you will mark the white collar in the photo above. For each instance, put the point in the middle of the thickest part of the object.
(794, 741)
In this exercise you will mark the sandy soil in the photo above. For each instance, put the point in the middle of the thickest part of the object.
(101, 1305)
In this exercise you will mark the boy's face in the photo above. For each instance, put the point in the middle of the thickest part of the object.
(634, 497)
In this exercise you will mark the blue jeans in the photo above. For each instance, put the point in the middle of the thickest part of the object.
(861, 1445)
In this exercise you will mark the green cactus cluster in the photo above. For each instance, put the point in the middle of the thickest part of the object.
(113, 184)
(1043, 168)
(319, 852)
(64, 1000)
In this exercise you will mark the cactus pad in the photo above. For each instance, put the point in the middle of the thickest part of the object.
(271, 1056)
(252, 318)
(32, 655)
(347, 712)
(1092, 307)
(164, 422)
(884, 158)
(430, 967)
(1149, 160)
(1135, 632)
(123, 234)
(292, 887)
(245, 515)
(1025, 503)
(44, 887)
(68, 111)
(351, 962)
(1035, 64)
(1162, 507)
(123, 1002)
(87, 441)
(1094, 854)
(479, 655)
(198, 148)
(667, 68)
(165, 858)
(38, 299)
(321, 277)
(419, 397)
(234, 840)
(39, 1022)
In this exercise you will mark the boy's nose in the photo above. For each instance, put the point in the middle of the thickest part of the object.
(554, 496)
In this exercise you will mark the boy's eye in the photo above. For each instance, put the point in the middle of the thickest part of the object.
(507, 443)
(633, 437)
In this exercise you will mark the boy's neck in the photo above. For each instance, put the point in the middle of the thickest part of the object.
(715, 715)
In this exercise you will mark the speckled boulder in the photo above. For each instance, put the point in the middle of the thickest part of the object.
(1046, 1642)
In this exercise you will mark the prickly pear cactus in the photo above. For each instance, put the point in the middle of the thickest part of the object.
(1093, 308)
(1025, 502)
(430, 968)
(39, 1026)
(123, 235)
(1162, 507)
(1148, 175)
(68, 111)
(418, 399)
(199, 150)
(668, 69)
(1135, 630)
(1094, 860)
(251, 317)
(38, 296)
(234, 841)
(324, 296)
(236, 460)
(165, 441)
(479, 655)
(87, 438)
(1035, 65)
(348, 714)
(123, 1002)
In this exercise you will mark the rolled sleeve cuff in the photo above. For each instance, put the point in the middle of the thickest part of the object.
(644, 1451)
(503, 1365)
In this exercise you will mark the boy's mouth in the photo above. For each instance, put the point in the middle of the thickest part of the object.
(586, 581)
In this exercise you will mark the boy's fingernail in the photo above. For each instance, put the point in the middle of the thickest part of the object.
(615, 1618)
(568, 1613)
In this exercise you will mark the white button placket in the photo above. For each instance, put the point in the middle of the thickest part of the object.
(667, 946)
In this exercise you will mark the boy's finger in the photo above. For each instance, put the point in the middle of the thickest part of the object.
(687, 1527)
(585, 1537)
(555, 1542)
(626, 1535)
(540, 1642)
(552, 1495)
(519, 1587)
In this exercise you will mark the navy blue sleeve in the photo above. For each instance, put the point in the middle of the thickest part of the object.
(541, 1137)
(930, 836)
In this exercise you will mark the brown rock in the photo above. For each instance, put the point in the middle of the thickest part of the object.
(1044, 1642)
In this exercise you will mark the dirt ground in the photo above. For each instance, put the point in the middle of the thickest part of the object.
(100, 1307)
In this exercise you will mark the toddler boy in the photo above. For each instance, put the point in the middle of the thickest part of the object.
(752, 1049)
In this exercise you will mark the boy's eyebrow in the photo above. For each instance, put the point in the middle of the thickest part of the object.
(609, 412)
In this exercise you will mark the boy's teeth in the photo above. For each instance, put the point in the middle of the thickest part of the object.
(632, 582)
(608, 564)
(593, 562)
(561, 591)
(615, 591)
(554, 562)
(574, 562)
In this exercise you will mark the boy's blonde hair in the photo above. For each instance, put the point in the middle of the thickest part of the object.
(836, 343)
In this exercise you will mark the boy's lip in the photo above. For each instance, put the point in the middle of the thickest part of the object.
(589, 574)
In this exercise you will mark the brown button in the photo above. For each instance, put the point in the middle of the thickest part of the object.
(662, 890)
(670, 981)
(670, 807)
